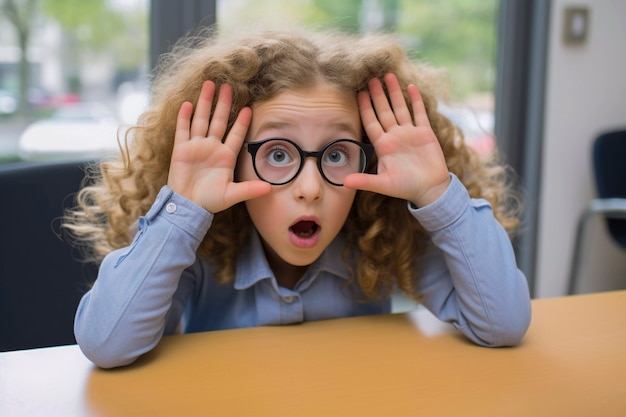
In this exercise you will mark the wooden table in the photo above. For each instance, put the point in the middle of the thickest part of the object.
(571, 363)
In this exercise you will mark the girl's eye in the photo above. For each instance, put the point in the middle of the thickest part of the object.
(278, 157)
(336, 156)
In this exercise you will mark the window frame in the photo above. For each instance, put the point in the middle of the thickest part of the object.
(171, 20)
(522, 55)
(519, 91)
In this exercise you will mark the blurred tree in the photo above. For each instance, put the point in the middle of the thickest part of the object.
(131, 45)
(20, 14)
(88, 26)
(92, 23)
(344, 15)
(354, 15)
(459, 35)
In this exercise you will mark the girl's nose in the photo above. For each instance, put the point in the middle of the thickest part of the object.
(309, 184)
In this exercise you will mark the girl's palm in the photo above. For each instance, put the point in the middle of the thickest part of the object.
(411, 164)
(203, 161)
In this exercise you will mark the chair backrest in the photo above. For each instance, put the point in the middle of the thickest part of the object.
(609, 163)
(41, 277)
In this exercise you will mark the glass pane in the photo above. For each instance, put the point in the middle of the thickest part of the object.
(71, 77)
(457, 35)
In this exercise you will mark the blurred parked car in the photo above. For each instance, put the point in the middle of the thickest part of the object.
(8, 103)
(75, 131)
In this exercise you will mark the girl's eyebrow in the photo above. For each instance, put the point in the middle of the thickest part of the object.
(274, 124)
(270, 125)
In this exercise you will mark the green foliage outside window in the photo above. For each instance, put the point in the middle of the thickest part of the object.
(458, 35)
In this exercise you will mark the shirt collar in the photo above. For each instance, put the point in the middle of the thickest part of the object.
(252, 265)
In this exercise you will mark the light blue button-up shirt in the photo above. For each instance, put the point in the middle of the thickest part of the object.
(256, 299)
(157, 285)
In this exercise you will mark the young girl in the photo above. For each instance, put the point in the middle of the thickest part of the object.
(282, 177)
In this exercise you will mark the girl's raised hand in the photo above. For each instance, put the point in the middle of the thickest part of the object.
(411, 164)
(203, 160)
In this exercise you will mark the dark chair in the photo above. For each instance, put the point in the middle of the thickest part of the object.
(609, 166)
(41, 277)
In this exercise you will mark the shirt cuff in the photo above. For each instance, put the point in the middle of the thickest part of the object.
(444, 211)
(181, 212)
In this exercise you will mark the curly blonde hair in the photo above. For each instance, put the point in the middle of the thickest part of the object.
(259, 67)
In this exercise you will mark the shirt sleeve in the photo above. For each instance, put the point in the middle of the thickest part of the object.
(470, 276)
(126, 311)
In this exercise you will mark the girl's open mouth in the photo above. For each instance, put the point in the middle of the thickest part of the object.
(304, 228)
(305, 233)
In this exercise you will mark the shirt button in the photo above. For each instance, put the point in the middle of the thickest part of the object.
(289, 299)
(170, 208)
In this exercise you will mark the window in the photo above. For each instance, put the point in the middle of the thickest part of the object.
(76, 76)
(87, 60)
(456, 35)
(97, 52)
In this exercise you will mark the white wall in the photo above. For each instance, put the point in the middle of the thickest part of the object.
(585, 95)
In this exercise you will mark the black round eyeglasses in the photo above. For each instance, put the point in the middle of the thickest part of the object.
(278, 160)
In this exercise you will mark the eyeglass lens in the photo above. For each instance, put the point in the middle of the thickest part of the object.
(278, 161)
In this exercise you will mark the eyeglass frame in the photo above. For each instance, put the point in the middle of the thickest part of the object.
(253, 148)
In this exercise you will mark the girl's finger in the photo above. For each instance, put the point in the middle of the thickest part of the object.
(200, 123)
(368, 117)
(238, 132)
(381, 104)
(366, 182)
(219, 121)
(247, 190)
(419, 111)
(182, 123)
(400, 109)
